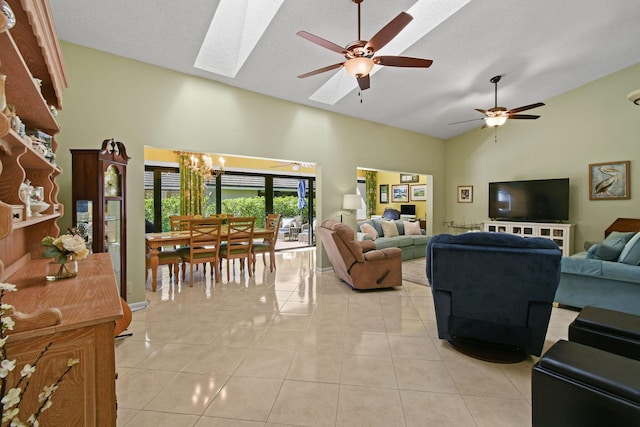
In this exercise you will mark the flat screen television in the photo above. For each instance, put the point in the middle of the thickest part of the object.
(541, 200)
(407, 209)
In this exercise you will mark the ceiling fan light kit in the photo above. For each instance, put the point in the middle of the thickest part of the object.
(495, 121)
(358, 67)
(634, 97)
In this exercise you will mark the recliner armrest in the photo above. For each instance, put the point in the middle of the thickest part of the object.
(380, 254)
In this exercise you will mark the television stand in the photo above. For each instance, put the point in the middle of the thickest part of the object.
(562, 234)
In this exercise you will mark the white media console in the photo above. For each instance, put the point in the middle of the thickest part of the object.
(562, 234)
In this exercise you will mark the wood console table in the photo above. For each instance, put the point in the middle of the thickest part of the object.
(86, 309)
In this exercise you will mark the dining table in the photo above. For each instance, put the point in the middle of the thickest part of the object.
(154, 241)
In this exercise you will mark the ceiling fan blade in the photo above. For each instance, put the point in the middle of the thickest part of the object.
(402, 61)
(364, 82)
(389, 31)
(321, 70)
(523, 116)
(480, 110)
(322, 42)
(526, 107)
(465, 121)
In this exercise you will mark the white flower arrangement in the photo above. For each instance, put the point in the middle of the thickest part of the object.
(11, 397)
(61, 247)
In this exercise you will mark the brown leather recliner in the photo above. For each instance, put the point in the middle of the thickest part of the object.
(360, 264)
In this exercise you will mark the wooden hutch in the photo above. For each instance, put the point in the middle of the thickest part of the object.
(77, 316)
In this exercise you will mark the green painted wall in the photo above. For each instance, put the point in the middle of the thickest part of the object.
(594, 123)
(140, 104)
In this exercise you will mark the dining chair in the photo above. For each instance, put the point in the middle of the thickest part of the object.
(179, 222)
(204, 246)
(166, 256)
(268, 244)
(239, 242)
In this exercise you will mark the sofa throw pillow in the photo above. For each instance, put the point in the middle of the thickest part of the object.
(369, 230)
(389, 229)
(591, 252)
(631, 252)
(609, 250)
(412, 228)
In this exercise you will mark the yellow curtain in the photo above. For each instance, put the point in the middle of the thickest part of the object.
(191, 189)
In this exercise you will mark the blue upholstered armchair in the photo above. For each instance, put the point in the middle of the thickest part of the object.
(493, 292)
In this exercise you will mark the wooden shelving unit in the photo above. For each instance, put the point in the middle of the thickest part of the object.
(28, 51)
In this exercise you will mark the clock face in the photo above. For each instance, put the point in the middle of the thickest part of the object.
(111, 182)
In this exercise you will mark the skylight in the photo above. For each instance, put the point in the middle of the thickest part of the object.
(427, 15)
(234, 31)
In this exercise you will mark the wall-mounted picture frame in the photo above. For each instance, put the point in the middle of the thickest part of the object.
(409, 178)
(418, 193)
(609, 181)
(384, 193)
(465, 194)
(400, 193)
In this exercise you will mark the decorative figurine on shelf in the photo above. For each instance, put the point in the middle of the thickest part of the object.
(25, 195)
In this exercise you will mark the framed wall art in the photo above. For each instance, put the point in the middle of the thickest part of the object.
(400, 193)
(384, 193)
(465, 194)
(418, 192)
(609, 181)
(409, 178)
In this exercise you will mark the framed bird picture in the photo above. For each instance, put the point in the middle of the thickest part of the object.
(609, 181)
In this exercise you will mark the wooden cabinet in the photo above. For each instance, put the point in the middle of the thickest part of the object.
(562, 234)
(99, 203)
(85, 309)
(28, 51)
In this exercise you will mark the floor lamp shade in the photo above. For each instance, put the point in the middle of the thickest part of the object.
(351, 202)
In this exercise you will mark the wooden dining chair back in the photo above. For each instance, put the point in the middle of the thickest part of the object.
(204, 246)
(268, 244)
(179, 222)
(239, 241)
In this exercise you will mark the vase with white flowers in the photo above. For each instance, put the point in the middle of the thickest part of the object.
(13, 395)
(65, 250)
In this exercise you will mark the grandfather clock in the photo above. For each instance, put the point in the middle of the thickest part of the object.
(99, 202)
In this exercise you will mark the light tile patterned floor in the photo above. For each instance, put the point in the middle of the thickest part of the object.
(300, 348)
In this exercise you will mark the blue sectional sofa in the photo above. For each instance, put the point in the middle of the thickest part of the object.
(412, 246)
(606, 276)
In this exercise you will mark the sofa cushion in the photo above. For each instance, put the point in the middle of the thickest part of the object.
(412, 228)
(400, 226)
(386, 242)
(369, 230)
(631, 252)
(420, 240)
(612, 246)
(377, 224)
(389, 229)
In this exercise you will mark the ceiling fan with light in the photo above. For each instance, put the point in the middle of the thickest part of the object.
(497, 116)
(360, 54)
(296, 166)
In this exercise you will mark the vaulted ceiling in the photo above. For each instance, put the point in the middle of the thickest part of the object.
(542, 48)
